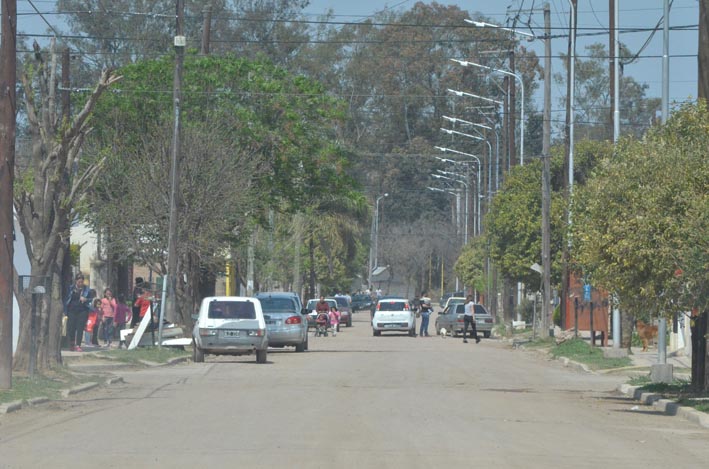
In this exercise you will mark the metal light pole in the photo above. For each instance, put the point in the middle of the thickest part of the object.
(475, 159)
(489, 157)
(467, 192)
(376, 234)
(465, 63)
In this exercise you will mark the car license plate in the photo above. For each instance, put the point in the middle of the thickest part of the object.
(272, 322)
(391, 326)
(231, 333)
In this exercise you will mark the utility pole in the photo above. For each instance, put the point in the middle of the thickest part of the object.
(513, 110)
(703, 55)
(666, 61)
(546, 177)
(612, 62)
(170, 280)
(206, 29)
(8, 77)
(506, 120)
(569, 160)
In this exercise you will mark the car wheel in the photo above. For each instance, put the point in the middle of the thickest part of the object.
(261, 356)
(197, 354)
(377, 333)
(412, 332)
(349, 321)
(306, 341)
(486, 334)
(454, 333)
(301, 347)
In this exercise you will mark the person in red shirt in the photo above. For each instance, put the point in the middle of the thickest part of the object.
(143, 302)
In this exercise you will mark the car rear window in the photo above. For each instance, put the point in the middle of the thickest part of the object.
(341, 301)
(479, 309)
(391, 305)
(231, 310)
(277, 305)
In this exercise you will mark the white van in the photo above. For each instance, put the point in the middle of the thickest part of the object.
(230, 325)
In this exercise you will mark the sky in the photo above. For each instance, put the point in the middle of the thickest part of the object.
(591, 14)
(592, 19)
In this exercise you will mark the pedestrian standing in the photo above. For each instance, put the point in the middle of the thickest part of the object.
(123, 313)
(469, 319)
(425, 310)
(137, 291)
(93, 325)
(334, 317)
(108, 308)
(76, 307)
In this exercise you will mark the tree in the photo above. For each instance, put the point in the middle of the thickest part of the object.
(643, 213)
(272, 142)
(53, 179)
(593, 100)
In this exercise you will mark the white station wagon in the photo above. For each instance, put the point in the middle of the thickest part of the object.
(395, 315)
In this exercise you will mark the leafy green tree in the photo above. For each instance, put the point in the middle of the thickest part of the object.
(640, 219)
(593, 100)
(269, 141)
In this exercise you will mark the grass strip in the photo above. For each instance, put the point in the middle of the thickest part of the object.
(136, 356)
(580, 351)
(50, 384)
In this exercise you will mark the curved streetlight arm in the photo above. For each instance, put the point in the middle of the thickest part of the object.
(462, 121)
(482, 24)
(465, 63)
(471, 95)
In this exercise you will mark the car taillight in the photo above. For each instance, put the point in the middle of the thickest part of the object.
(488, 320)
(257, 332)
(461, 319)
(294, 320)
(207, 332)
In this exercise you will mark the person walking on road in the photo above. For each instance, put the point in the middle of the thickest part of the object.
(469, 319)
(334, 317)
(425, 311)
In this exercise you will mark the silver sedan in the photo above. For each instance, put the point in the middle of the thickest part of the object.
(452, 320)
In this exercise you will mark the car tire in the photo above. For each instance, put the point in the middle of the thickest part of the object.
(261, 356)
(349, 321)
(301, 347)
(376, 333)
(486, 334)
(197, 354)
(412, 332)
(306, 341)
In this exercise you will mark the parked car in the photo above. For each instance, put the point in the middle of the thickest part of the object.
(230, 325)
(361, 301)
(444, 298)
(454, 300)
(286, 320)
(312, 314)
(345, 309)
(452, 319)
(394, 314)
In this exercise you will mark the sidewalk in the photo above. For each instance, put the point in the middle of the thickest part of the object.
(649, 358)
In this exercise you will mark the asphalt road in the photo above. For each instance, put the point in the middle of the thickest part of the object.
(355, 401)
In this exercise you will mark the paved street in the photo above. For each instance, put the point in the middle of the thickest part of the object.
(355, 401)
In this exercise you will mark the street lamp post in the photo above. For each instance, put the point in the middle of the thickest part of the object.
(467, 196)
(374, 242)
(465, 63)
(489, 155)
(475, 159)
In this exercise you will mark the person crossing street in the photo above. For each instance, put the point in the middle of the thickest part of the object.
(469, 319)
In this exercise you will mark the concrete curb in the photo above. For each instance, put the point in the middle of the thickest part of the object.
(78, 389)
(666, 406)
(176, 360)
(576, 365)
(9, 407)
(37, 401)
